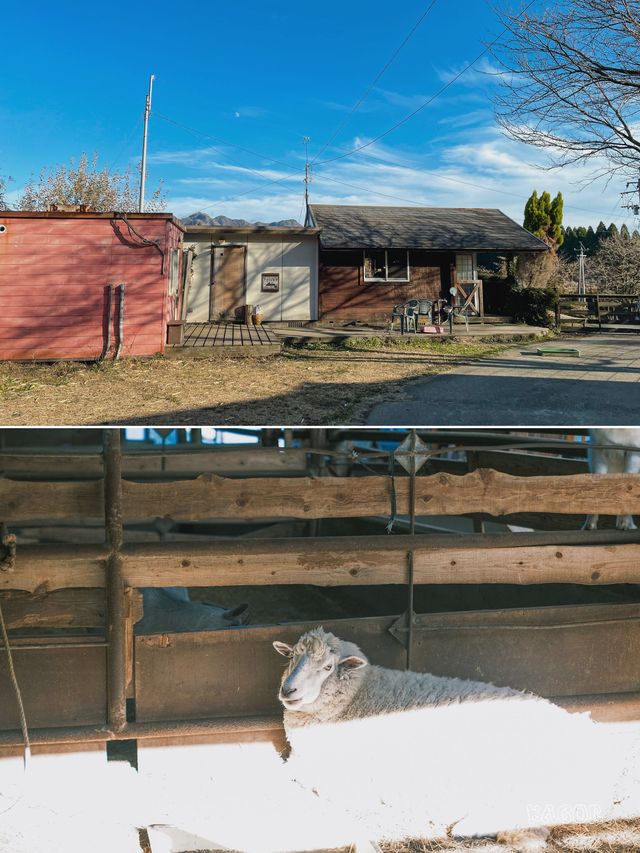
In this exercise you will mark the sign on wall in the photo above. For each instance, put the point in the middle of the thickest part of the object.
(270, 282)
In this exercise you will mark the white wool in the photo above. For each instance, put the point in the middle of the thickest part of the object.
(413, 753)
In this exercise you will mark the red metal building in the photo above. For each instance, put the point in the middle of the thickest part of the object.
(62, 277)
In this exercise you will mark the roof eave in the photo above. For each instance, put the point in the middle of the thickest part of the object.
(252, 229)
(540, 248)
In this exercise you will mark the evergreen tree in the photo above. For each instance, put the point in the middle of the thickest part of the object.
(613, 230)
(569, 243)
(531, 212)
(624, 232)
(555, 230)
(543, 218)
(544, 215)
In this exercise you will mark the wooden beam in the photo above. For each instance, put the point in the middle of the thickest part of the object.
(174, 462)
(529, 464)
(22, 501)
(210, 496)
(43, 568)
(584, 557)
(67, 608)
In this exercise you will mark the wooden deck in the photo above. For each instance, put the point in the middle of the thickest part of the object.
(225, 339)
(226, 335)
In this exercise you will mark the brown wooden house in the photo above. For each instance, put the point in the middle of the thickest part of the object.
(372, 258)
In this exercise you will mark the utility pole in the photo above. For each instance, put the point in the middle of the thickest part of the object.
(143, 165)
(581, 280)
(633, 202)
(307, 177)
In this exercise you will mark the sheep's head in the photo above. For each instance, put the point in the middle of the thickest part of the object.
(315, 658)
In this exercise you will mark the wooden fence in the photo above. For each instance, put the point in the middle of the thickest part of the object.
(76, 688)
(599, 309)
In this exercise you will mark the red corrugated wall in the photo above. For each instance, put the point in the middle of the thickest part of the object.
(54, 273)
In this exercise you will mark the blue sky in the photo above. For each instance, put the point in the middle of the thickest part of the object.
(238, 86)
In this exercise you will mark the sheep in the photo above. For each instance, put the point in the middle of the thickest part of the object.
(416, 754)
(611, 461)
(170, 608)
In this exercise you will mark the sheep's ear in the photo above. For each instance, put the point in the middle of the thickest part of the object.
(283, 648)
(352, 662)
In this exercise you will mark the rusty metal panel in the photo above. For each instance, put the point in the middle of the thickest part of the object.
(234, 672)
(571, 650)
(61, 686)
(554, 651)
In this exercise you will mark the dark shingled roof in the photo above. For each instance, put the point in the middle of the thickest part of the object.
(435, 228)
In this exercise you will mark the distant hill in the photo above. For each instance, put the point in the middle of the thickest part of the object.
(224, 221)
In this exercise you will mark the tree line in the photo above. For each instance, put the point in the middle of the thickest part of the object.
(592, 239)
(613, 255)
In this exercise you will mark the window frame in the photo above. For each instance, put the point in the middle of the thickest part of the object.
(474, 265)
(386, 279)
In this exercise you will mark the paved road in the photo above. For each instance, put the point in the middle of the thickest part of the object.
(518, 387)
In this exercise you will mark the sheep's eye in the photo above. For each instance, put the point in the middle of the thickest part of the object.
(329, 666)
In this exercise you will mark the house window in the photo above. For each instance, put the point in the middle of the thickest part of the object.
(465, 267)
(386, 265)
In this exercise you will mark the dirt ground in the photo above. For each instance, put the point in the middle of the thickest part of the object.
(611, 837)
(315, 385)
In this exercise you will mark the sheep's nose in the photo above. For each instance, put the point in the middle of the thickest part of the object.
(288, 691)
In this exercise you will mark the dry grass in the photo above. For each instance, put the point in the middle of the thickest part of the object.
(318, 384)
(621, 836)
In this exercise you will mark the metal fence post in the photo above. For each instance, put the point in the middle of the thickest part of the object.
(115, 622)
(412, 532)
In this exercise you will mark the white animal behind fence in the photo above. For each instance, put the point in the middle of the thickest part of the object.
(414, 754)
(607, 460)
(170, 608)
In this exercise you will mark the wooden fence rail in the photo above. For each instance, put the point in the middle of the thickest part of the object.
(583, 557)
(210, 496)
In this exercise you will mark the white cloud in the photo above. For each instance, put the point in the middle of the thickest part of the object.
(482, 73)
(475, 167)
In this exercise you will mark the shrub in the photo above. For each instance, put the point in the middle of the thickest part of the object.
(531, 305)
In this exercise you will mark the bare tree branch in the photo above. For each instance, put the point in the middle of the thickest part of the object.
(571, 81)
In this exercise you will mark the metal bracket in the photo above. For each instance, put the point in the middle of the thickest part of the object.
(399, 629)
(412, 453)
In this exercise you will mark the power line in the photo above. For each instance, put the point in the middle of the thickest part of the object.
(373, 192)
(429, 100)
(252, 190)
(128, 141)
(476, 186)
(324, 162)
(204, 135)
(375, 80)
(201, 133)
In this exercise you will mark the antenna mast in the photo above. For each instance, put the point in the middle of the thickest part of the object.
(307, 177)
(143, 165)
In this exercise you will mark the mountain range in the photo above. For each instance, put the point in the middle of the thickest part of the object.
(224, 221)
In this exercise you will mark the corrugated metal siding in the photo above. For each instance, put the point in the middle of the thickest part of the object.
(53, 279)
